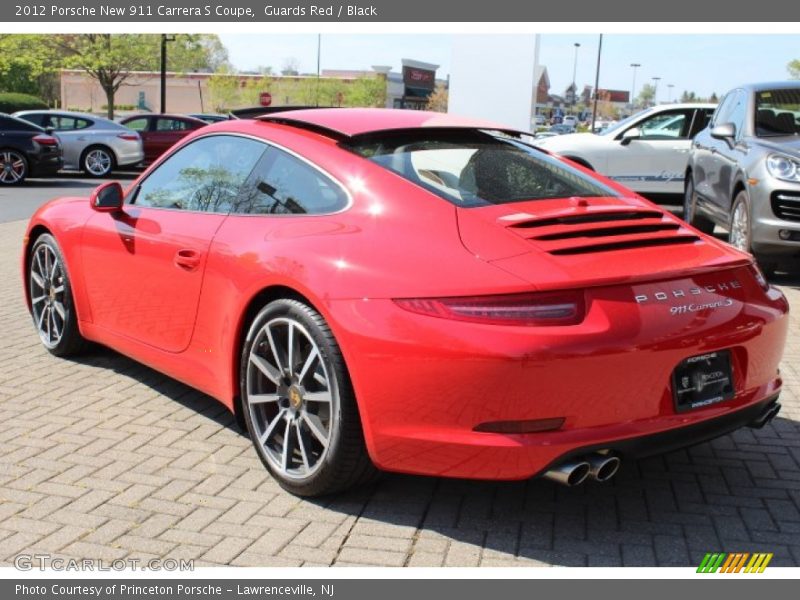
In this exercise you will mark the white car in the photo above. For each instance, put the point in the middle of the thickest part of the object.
(647, 152)
(570, 120)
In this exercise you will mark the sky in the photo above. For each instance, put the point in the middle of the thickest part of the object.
(702, 63)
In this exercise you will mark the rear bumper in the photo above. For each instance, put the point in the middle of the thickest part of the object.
(44, 166)
(424, 384)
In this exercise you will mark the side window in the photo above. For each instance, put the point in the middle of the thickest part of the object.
(205, 175)
(63, 123)
(283, 184)
(670, 125)
(139, 124)
(738, 112)
(702, 116)
(724, 109)
(171, 125)
(36, 119)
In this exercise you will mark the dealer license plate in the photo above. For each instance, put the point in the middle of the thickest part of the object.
(703, 380)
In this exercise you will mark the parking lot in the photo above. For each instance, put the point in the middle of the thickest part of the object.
(103, 458)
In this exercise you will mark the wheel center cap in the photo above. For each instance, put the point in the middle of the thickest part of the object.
(295, 397)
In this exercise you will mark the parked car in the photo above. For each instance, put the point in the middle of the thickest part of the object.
(91, 144)
(571, 120)
(647, 151)
(415, 292)
(539, 120)
(561, 129)
(26, 151)
(160, 131)
(744, 172)
(209, 117)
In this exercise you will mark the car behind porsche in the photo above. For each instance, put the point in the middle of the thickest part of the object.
(412, 292)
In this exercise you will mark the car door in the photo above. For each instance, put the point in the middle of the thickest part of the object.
(651, 155)
(725, 156)
(705, 150)
(142, 126)
(166, 132)
(74, 138)
(145, 264)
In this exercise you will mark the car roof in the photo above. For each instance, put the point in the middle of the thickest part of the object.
(768, 85)
(164, 115)
(351, 122)
(66, 113)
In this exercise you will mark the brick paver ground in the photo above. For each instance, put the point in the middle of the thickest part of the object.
(105, 458)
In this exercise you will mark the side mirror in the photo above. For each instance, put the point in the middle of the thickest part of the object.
(49, 130)
(724, 131)
(107, 197)
(634, 133)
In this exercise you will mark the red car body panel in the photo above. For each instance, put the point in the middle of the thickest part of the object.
(424, 383)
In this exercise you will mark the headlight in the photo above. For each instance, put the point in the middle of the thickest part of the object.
(783, 167)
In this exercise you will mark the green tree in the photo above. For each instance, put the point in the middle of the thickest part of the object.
(794, 69)
(29, 65)
(110, 59)
(224, 89)
(188, 53)
(646, 95)
(366, 91)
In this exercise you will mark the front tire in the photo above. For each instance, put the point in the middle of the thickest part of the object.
(97, 161)
(52, 305)
(299, 404)
(690, 209)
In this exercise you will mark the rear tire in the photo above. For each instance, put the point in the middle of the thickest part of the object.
(13, 167)
(298, 402)
(98, 161)
(690, 215)
(52, 304)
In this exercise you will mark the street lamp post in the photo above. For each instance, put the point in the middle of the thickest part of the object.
(669, 92)
(574, 73)
(164, 39)
(633, 87)
(655, 89)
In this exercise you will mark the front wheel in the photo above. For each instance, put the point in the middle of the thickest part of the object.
(740, 230)
(298, 402)
(690, 209)
(52, 305)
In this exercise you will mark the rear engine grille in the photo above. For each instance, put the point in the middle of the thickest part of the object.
(603, 231)
(786, 205)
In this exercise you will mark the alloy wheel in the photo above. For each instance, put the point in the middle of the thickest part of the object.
(97, 162)
(12, 167)
(291, 397)
(47, 288)
(740, 228)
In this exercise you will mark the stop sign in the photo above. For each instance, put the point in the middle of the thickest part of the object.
(265, 98)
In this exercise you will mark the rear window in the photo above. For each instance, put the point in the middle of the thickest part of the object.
(476, 168)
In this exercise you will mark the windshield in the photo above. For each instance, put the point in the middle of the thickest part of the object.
(474, 168)
(617, 127)
(777, 112)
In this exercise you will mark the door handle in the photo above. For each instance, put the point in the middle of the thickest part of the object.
(187, 259)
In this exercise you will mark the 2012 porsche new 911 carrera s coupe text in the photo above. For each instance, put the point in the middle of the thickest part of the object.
(394, 290)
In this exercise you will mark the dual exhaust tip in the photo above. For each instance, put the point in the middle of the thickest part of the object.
(600, 467)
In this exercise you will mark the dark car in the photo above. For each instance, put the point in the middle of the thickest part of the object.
(26, 150)
(209, 117)
(160, 132)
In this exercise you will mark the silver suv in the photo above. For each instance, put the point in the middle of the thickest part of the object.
(744, 172)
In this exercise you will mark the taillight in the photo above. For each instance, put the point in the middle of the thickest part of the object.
(547, 308)
(129, 137)
(758, 274)
(45, 140)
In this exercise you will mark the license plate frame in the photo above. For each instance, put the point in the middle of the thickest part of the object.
(703, 380)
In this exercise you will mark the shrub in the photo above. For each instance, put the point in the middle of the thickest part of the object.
(12, 102)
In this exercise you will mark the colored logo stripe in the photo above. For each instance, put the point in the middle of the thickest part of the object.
(734, 562)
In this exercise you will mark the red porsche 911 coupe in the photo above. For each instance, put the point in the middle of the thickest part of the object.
(394, 290)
